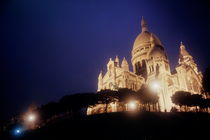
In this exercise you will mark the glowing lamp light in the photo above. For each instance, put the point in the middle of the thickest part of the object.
(132, 105)
(155, 85)
(18, 131)
(31, 117)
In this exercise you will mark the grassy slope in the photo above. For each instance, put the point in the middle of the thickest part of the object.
(126, 126)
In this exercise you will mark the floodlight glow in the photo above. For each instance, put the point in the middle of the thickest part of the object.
(132, 105)
(31, 117)
(155, 86)
(17, 131)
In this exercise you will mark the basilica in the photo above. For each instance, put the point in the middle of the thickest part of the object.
(150, 66)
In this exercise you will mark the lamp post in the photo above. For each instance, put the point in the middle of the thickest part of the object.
(155, 86)
(30, 120)
(132, 106)
(31, 117)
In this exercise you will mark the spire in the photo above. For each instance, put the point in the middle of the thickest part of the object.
(117, 61)
(124, 60)
(183, 51)
(116, 58)
(182, 45)
(143, 25)
(186, 58)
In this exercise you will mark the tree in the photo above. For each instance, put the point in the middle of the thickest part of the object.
(50, 109)
(195, 100)
(106, 97)
(147, 97)
(205, 104)
(173, 109)
(206, 81)
(125, 95)
(78, 101)
(181, 98)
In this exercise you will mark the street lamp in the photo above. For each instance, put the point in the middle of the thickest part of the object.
(30, 120)
(17, 131)
(154, 86)
(31, 117)
(132, 105)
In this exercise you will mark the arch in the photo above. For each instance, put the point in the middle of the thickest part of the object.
(157, 69)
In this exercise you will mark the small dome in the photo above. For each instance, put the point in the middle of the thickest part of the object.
(124, 62)
(157, 52)
(125, 65)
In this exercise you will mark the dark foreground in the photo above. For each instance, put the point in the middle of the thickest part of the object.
(126, 126)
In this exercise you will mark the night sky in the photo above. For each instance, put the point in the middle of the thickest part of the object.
(50, 48)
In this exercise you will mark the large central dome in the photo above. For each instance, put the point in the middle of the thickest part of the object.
(146, 46)
(144, 37)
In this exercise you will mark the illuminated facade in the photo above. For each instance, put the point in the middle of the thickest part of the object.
(150, 64)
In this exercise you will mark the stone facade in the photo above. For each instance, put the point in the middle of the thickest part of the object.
(150, 64)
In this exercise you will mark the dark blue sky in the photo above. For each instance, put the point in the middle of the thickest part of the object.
(50, 48)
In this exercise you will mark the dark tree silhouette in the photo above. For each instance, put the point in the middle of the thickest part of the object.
(78, 101)
(125, 95)
(50, 109)
(194, 100)
(205, 104)
(147, 97)
(70, 104)
(106, 97)
(181, 98)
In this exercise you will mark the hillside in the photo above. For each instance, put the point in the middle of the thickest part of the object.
(125, 126)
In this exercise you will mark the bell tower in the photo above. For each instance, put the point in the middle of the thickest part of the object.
(186, 59)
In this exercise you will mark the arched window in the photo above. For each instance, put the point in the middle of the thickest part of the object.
(136, 67)
(157, 69)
